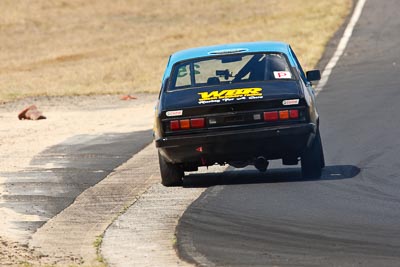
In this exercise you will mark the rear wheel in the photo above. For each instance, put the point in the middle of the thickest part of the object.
(312, 160)
(322, 154)
(171, 174)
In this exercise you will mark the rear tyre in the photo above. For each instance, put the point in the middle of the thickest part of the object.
(171, 174)
(322, 154)
(312, 160)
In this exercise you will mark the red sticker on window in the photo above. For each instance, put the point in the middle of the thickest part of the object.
(282, 75)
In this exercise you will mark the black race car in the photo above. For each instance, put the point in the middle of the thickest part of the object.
(237, 104)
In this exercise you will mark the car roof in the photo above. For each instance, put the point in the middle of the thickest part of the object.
(206, 51)
(250, 47)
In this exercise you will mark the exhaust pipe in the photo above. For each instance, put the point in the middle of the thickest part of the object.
(261, 164)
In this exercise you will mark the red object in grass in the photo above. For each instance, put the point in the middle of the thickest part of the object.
(31, 113)
(128, 97)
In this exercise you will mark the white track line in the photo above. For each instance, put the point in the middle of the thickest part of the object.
(342, 45)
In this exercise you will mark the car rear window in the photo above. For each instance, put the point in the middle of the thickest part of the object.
(228, 69)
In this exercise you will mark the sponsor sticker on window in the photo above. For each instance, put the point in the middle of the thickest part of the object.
(174, 113)
(282, 75)
(230, 95)
(290, 102)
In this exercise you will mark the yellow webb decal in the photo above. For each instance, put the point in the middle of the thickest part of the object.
(232, 93)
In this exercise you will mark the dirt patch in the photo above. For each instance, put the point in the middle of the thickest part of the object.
(67, 116)
(14, 253)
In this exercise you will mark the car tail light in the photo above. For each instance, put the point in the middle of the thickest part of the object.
(271, 116)
(174, 125)
(294, 114)
(186, 124)
(284, 114)
(281, 115)
(197, 123)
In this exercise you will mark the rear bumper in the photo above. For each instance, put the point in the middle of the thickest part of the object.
(224, 146)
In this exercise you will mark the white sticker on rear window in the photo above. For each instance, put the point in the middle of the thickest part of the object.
(174, 113)
(282, 75)
(290, 102)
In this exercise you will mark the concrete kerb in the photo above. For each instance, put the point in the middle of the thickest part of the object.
(146, 234)
(70, 236)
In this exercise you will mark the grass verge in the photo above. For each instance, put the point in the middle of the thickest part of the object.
(97, 245)
(101, 47)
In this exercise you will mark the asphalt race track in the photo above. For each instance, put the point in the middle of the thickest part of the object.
(63, 172)
(351, 217)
